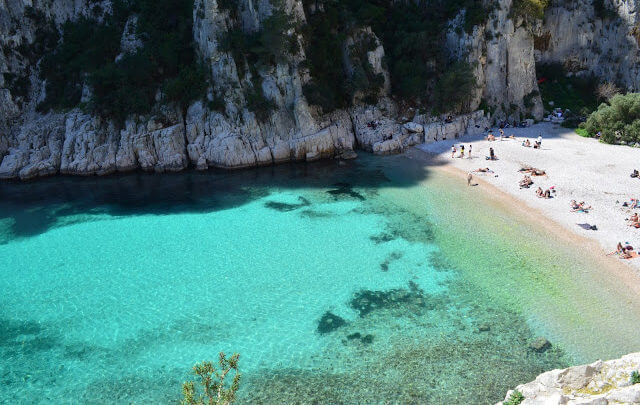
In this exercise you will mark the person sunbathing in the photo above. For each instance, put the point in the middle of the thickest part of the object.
(575, 206)
(490, 137)
(623, 251)
(492, 154)
(633, 221)
(539, 192)
(526, 143)
(635, 174)
(483, 170)
(526, 182)
(582, 206)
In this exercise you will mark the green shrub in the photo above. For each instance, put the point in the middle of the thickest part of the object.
(258, 103)
(603, 11)
(635, 378)
(412, 34)
(618, 121)
(533, 9)
(166, 61)
(578, 94)
(18, 84)
(515, 398)
(455, 88)
(582, 132)
(215, 390)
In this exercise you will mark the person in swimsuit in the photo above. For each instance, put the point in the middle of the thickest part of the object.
(461, 151)
(469, 151)
(453, 151)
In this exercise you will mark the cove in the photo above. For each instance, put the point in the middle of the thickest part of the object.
(370, 281)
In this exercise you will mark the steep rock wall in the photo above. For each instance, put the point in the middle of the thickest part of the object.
(575, 34)
(73, 142)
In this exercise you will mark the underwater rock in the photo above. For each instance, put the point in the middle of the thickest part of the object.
(286, 207)
(384, 266)
(330, 322)
(383, 237)
(368, 339)
(484, 327)
(540, 345)
(366, 301)
(345, 189)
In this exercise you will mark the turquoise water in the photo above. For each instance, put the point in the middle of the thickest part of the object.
(113, 288)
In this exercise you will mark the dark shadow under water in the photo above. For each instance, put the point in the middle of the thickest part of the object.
(36, 206)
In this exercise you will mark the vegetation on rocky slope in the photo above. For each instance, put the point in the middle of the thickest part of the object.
(412, 34)
(164, 60)
(618, 121)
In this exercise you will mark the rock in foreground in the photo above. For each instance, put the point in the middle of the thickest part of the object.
(599, 383)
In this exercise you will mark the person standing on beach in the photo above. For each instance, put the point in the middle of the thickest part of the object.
(453, 151)
(469, 151)
(469, 178)
(462, 151)
(539, 140)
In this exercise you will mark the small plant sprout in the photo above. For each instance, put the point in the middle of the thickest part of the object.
(515, 398)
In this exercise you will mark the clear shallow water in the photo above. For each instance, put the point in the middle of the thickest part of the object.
(112, 288)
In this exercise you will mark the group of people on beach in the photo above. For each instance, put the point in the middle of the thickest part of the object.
(536, 145)
(491, 137)
(461, 155)
(624, 251)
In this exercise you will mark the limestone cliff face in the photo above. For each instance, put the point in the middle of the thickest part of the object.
(587, 41)
(504, 52)
(599, 383)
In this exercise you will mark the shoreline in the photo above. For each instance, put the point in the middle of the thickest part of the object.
(575, 167)
(539, 219)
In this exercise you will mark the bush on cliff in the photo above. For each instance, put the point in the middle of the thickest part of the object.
(455, 88)
(87, 55)
(618, 121)
(412, 33)
(532, 9)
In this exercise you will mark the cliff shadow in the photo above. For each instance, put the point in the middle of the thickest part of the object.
(31, 208)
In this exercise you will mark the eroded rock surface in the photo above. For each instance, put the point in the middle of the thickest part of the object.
(599, 383)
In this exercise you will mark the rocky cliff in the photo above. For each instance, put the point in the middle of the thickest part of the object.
(599, 383)
(503, 50)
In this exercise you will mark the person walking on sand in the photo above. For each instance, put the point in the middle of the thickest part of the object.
(462, 151)
(539, 140)
(469, 178)
(469, 151)
(453, 151)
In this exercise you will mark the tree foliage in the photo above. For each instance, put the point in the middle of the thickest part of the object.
(216, 388)
(454, 88)
(530, 9)
(128, 85)
(618, 121)
(412, 33)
